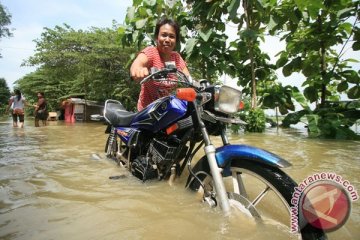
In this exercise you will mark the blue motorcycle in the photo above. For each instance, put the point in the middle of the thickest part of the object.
(161, 141)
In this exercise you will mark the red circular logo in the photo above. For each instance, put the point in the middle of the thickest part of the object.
(325, 205)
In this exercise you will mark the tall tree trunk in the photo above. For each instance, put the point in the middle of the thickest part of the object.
(323, 74)
(248, 13)
(323, 64)
(253, 80)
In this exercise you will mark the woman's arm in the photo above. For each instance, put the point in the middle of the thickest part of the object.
(11, 100)
(138, 69)
(39, 104)
(186, 71)
(26, 104)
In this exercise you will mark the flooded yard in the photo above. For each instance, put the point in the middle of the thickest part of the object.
(54, 184)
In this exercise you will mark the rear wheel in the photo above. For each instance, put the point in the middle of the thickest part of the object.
(261, 191)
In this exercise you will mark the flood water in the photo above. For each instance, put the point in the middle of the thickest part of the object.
(54, 184)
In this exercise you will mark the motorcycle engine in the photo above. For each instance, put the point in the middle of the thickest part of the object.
(142, 169)
(158, 161)
(161, 152)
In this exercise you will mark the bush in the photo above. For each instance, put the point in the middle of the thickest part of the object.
(255, 120)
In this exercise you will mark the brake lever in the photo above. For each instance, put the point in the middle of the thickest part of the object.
(162, 74)
(145, 79)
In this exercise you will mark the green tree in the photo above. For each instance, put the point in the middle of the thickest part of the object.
(5, 20)
(208, 51)
(4, 94)
(91, 62)
(40, 81)
(206, 48)
(313, 31)
(242, 57)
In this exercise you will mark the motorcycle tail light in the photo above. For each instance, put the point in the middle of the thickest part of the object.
(227, 100)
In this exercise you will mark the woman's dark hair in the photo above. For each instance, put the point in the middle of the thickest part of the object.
(42, 94)
(18, 94)
(165, 20)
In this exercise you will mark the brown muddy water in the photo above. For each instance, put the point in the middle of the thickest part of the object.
(54, 184)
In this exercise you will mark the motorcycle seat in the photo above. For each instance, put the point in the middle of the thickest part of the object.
(119, 117)
(116, 114)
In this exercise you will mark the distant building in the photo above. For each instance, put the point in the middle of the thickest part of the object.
(79, 109)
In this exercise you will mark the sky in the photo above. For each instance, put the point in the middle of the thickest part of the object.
(29, 17)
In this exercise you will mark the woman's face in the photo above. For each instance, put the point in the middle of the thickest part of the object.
(166, 39)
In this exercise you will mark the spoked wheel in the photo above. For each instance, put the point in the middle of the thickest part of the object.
(257, 190)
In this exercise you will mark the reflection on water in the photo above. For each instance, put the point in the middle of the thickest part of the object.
(54, 184)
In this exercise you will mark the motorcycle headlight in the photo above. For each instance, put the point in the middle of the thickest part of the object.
(227, 99)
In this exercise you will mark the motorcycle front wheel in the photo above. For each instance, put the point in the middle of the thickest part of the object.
(261, 191)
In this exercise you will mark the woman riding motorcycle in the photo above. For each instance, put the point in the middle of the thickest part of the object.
(167, 35)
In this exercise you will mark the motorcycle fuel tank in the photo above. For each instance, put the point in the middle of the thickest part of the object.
(160, 114)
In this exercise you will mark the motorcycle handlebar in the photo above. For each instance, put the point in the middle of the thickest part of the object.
(158, 74)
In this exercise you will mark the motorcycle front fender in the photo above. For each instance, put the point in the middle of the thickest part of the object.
(228, 153)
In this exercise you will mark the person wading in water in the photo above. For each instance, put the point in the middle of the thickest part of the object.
(41, 112)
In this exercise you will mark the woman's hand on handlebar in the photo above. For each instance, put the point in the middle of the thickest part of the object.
(138, 69)
(139, 73)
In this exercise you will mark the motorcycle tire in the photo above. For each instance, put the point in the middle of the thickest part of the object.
(251, 177)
